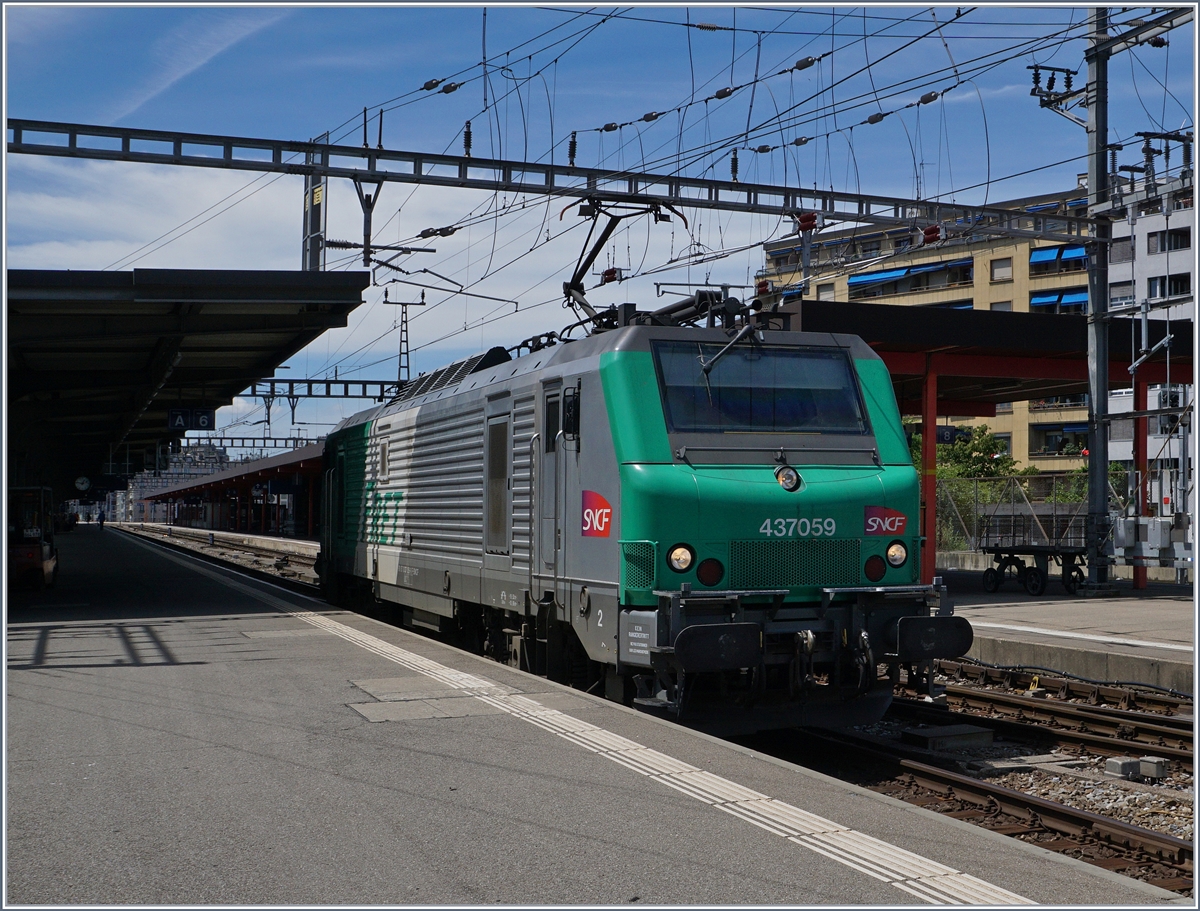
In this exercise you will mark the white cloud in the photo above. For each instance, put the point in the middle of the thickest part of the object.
(188, 47)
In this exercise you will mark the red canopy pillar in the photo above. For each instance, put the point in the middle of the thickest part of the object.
(929, 476)
(1140, 463)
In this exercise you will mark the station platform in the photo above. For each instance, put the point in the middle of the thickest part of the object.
(1143, 637)
(179, 733)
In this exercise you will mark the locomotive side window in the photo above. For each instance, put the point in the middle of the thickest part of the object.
(384, 467)
(758, 389)
(552, 424)
(496, 538)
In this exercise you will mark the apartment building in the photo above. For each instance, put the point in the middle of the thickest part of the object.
(1152, 260)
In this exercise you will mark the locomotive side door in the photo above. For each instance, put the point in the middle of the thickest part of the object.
(549, 528)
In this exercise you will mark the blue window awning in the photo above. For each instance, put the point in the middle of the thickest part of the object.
(1042, 208)
(1044, 299)
(1075, 297)
(1044, 255)
(960, 262)
(1074, 253)
(1075, 428)
(928, 267)
(1076, 203)
(864, 278)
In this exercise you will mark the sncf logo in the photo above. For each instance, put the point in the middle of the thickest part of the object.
(597, 515)
(883, 521)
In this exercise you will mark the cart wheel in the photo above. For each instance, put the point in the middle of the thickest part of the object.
(1072, 579)
(991, 580)
(1035, 580)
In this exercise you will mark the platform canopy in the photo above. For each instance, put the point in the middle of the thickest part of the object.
(98, 360)
(983, 357)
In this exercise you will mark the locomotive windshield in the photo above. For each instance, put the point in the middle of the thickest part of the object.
(758, 388)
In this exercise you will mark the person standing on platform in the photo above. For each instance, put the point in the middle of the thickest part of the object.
(100, 519)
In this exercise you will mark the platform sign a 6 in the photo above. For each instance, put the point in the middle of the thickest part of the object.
(179, 419)
(203, 419)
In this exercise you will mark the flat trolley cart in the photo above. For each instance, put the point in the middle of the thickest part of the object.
(1024, 544)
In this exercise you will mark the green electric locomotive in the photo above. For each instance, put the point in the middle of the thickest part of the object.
(719, 527)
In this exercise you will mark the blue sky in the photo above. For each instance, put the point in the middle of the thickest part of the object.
(296, 72)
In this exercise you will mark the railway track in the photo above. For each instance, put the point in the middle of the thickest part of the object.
(1022, 718)
(1065, 688)
(1154, 857)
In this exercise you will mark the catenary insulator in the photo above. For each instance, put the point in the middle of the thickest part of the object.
(1187, 156)
(1037, 80)
(450, 87)
(610, 127)
(804, 63)
(724, 93)
(1050, 82)
(572, 148)
(467, 140)
(1067, 79)
(800, 140)
(733, 165)
(876, 117)
(431, 85)
(651, 117)
(762, 150)
(928, 97)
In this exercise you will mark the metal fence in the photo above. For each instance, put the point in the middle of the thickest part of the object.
(1042, 509)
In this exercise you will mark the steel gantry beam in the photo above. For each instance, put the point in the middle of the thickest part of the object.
(254, 442)
(74, 140)
(325, 389)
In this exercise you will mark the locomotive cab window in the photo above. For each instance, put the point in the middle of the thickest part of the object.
(757, 388)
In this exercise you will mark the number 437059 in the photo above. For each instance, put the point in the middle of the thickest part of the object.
(799, 528)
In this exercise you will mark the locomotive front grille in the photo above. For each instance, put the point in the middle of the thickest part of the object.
(792, 563)
(639, 564)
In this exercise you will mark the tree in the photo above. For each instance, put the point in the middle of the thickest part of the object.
(978, 453)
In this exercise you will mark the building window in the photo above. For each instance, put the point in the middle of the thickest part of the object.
(1120, 250)
(1057, 439)
(1120, 291)
(1002, 269)
(825, 292)
(1005, 442)
(1182, 201)
(1169, 286)
(1175, 239)
(901, 243)
(871, 247)
(1002, 305)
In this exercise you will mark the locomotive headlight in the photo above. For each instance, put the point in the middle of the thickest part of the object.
(680, 558)
(897, 553)
(788, 478)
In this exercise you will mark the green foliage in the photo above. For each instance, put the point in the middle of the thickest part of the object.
(979, 454)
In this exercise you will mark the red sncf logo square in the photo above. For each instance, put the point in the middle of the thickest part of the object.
(597, 515)
(883, 521)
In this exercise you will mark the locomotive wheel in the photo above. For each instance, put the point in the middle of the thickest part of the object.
(991, 580)
(1035, 581)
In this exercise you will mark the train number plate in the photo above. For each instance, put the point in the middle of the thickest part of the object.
(798, 528)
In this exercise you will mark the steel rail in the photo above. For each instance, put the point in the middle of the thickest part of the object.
(1046, 814)
(1124, 697)
(1022, 730)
